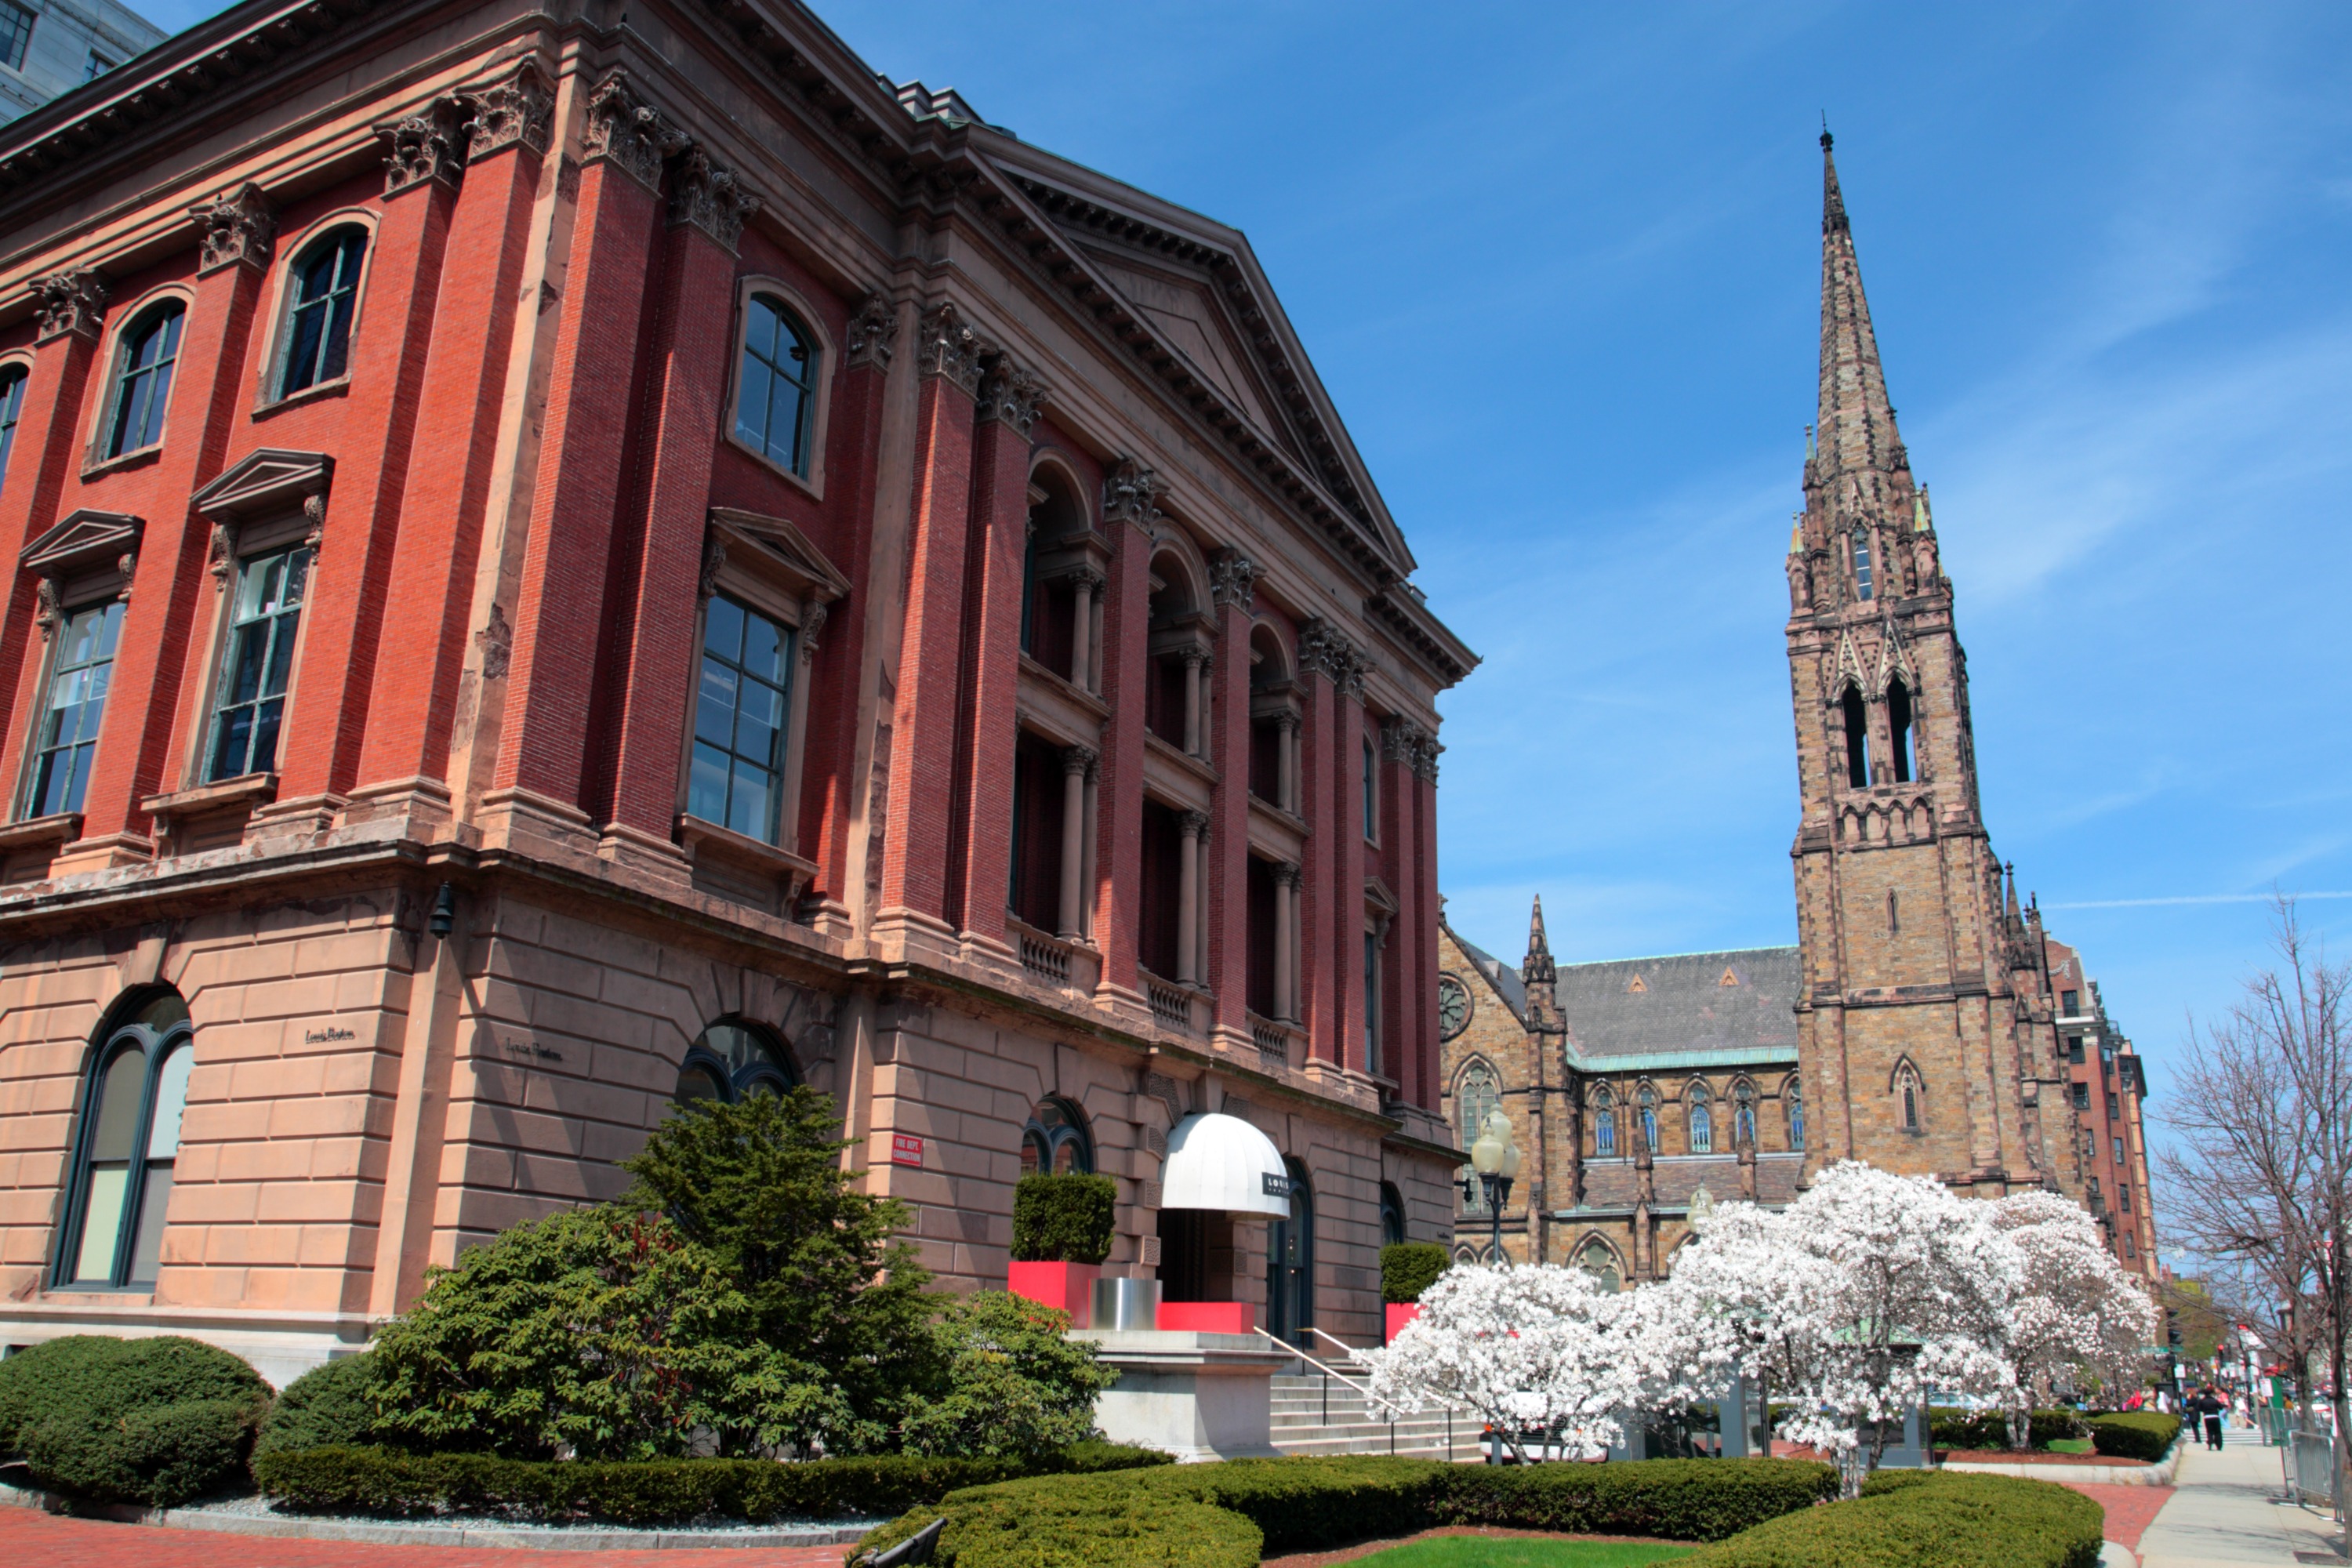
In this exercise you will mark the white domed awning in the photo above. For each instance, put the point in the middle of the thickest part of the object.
(1221, 1162)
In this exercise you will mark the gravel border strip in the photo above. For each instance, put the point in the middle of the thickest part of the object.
(226, 1520)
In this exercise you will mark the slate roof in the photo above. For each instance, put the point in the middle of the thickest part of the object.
(1738, 1002)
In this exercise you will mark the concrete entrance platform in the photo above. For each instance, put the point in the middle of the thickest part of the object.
(1195, 1395)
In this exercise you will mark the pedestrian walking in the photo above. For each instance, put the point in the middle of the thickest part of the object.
(2208, 1406)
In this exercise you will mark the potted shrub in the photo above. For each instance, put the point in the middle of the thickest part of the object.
(1061, 1234)
(1407, 1269)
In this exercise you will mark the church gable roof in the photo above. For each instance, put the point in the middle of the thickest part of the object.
(1501, 977)
(1727, 1005)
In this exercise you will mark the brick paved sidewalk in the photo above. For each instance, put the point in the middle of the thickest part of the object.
(30, 1539)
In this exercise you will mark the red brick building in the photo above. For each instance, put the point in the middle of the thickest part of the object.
(575, 556)
(2107, 1087)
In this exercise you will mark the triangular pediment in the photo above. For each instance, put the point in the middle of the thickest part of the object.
(80, 540)
(781, 543)
(1199, 326)
(269, 480)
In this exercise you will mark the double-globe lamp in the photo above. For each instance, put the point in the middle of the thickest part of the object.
(1495, 1159)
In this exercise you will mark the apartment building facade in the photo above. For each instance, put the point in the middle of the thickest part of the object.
(573, 557)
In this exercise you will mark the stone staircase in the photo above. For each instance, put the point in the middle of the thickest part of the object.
(1317, 1414)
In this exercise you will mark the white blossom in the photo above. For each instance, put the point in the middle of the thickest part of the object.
(1531, 1350)
(2075, 1305)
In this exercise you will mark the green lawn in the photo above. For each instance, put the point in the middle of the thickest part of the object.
(1473, 1551)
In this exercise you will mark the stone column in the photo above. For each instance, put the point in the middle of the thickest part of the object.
(1285, 943)
(1077, 762)
(1287, 761)
(1193, 660)
(1082, 628)
(1195, 827)
(1093, 809)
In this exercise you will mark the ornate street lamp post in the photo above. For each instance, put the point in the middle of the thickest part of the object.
(1495, 1159)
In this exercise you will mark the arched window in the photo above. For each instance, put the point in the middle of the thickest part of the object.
(1792, 1101)
(1857, 740)
(1899, 725)
(1910, 1097)
(732, 1059)
(1702, 1119)
(1599, 1261)
(1649, 1100)
(1604, 1124)
(1391, 1214)
(775, 406)
(1743, 1115)
(143, 379)
(1474, 1099)
(1861, 562)
(320, 298)
(1056, 1142)
(128, 1142)
(11, 405)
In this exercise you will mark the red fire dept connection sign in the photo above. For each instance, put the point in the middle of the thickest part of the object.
(905, 1149)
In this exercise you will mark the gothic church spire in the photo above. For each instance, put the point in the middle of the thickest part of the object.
(1538, 974)
(1856, 436)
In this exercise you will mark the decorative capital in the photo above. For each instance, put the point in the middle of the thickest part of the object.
(1326, 650)
(425, 146)
(1401, 741)
(1287, 875)
(73, 301)
(948, 347)
(220, 556)
(48, 611)
(708, 196)
(1079, 761)
(1232, 580)
(1010, 393)
(714, 560)
(628, 133)
(1131, 493)
(872, 332)
(1195, 825)
(1086, 578)
(239, 226)
(814, 613)
(517, 111)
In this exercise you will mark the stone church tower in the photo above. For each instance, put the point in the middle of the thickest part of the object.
(1923, 1021)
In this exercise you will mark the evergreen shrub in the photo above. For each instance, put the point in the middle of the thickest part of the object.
(157, 1421)
(2135, 1433)
(1950, 1427)
(375, 1480)
(327, 1406)
(1409, 1267)
(1672, 1499)
(1906, 1518)
(1065, 1218)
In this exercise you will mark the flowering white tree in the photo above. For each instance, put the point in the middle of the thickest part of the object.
(2075, 1304)
(1528, 1350)
(1853, 1301)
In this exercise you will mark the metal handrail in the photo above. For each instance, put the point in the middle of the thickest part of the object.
(1369, 1397)
(1335, 1340)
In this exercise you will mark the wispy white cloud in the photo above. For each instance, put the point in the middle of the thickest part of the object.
(2172, 899)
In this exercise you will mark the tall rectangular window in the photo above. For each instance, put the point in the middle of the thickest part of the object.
(2069, 1003)
(68, 732)
(251, 699)
(738, 775)
(16, 32)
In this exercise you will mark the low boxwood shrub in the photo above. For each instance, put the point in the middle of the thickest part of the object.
(1133, 1529)
(1063, 1218)
(159, 1421)
(1950, 1520)
(2135, 1433)
(1409, 1267)
(332, 1405)
(1673, 1500)
(1949, 1427)
(653, 1492)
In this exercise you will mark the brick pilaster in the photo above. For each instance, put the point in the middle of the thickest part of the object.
(445, 495)
(1127, 514)
(45, 444)
(1226, 866)
(1348, 897)
(915, 871)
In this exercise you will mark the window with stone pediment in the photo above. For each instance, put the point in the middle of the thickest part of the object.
(256, 663)
(67, 740)
(741, 721)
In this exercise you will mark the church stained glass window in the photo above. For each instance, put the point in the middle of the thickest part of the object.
(1702, 1120)
(1861, 562)
(1604, 1124)
(1474, 1097)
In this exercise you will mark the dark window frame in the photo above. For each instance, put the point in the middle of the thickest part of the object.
(48, 744)
(308, 359)
(157, 1026)
(141, 395)
(789, 342)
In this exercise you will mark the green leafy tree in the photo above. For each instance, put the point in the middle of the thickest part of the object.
(1006, 1382)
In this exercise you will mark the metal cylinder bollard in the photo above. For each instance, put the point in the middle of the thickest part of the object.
(1126, 1304)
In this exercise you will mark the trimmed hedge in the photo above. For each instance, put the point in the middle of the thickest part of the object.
(334, 1405)
(1902, 1519)
(650, 1491)
(1672, 1499)
(159, 1421)
(1409, 1267)
(2135, 1433)
(1131, 1530)
(1314, 1504)
(1948, 1427)
(1063, 1218)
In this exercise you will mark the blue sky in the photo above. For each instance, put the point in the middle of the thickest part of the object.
(1558, 266)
